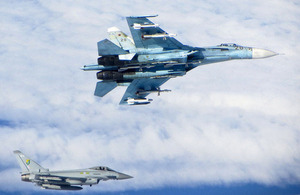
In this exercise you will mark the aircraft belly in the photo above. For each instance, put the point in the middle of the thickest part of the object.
(163, 73)
(175, 56)
(214, 59)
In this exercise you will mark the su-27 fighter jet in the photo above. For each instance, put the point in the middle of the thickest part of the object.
(66, 179)
(151, 57)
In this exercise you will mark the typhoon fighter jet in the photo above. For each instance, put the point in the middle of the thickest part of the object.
(66, 179)
(151, 57)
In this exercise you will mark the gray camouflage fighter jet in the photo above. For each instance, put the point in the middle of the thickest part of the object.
(65, 179)
(151, 57)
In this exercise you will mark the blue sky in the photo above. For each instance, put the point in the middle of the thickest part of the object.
(226, 127)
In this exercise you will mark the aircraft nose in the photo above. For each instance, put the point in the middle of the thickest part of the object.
(124, 176)
(262, 53)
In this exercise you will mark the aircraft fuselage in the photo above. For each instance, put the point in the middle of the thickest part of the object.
(170, 63)
(151, 57)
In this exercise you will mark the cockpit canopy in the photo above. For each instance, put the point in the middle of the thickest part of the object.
(102, 168)
(229, 45)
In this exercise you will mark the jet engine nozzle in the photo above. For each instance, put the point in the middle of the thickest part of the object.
(109, 75)
(25, 177)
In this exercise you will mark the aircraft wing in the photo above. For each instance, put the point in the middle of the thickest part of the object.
(145, 86)
(141, 26)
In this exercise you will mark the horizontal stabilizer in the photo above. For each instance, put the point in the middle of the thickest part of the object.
(103, 88)
(106, 47)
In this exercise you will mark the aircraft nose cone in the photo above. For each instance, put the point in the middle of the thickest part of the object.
(124, 176)
(262, 53)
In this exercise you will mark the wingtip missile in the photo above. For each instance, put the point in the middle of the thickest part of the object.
(144, 16)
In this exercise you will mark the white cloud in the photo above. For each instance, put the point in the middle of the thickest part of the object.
(230, 122)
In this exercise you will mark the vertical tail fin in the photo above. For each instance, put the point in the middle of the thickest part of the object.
(120, 39)
(27, 165)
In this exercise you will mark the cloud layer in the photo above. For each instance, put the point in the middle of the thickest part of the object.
(226, 123)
